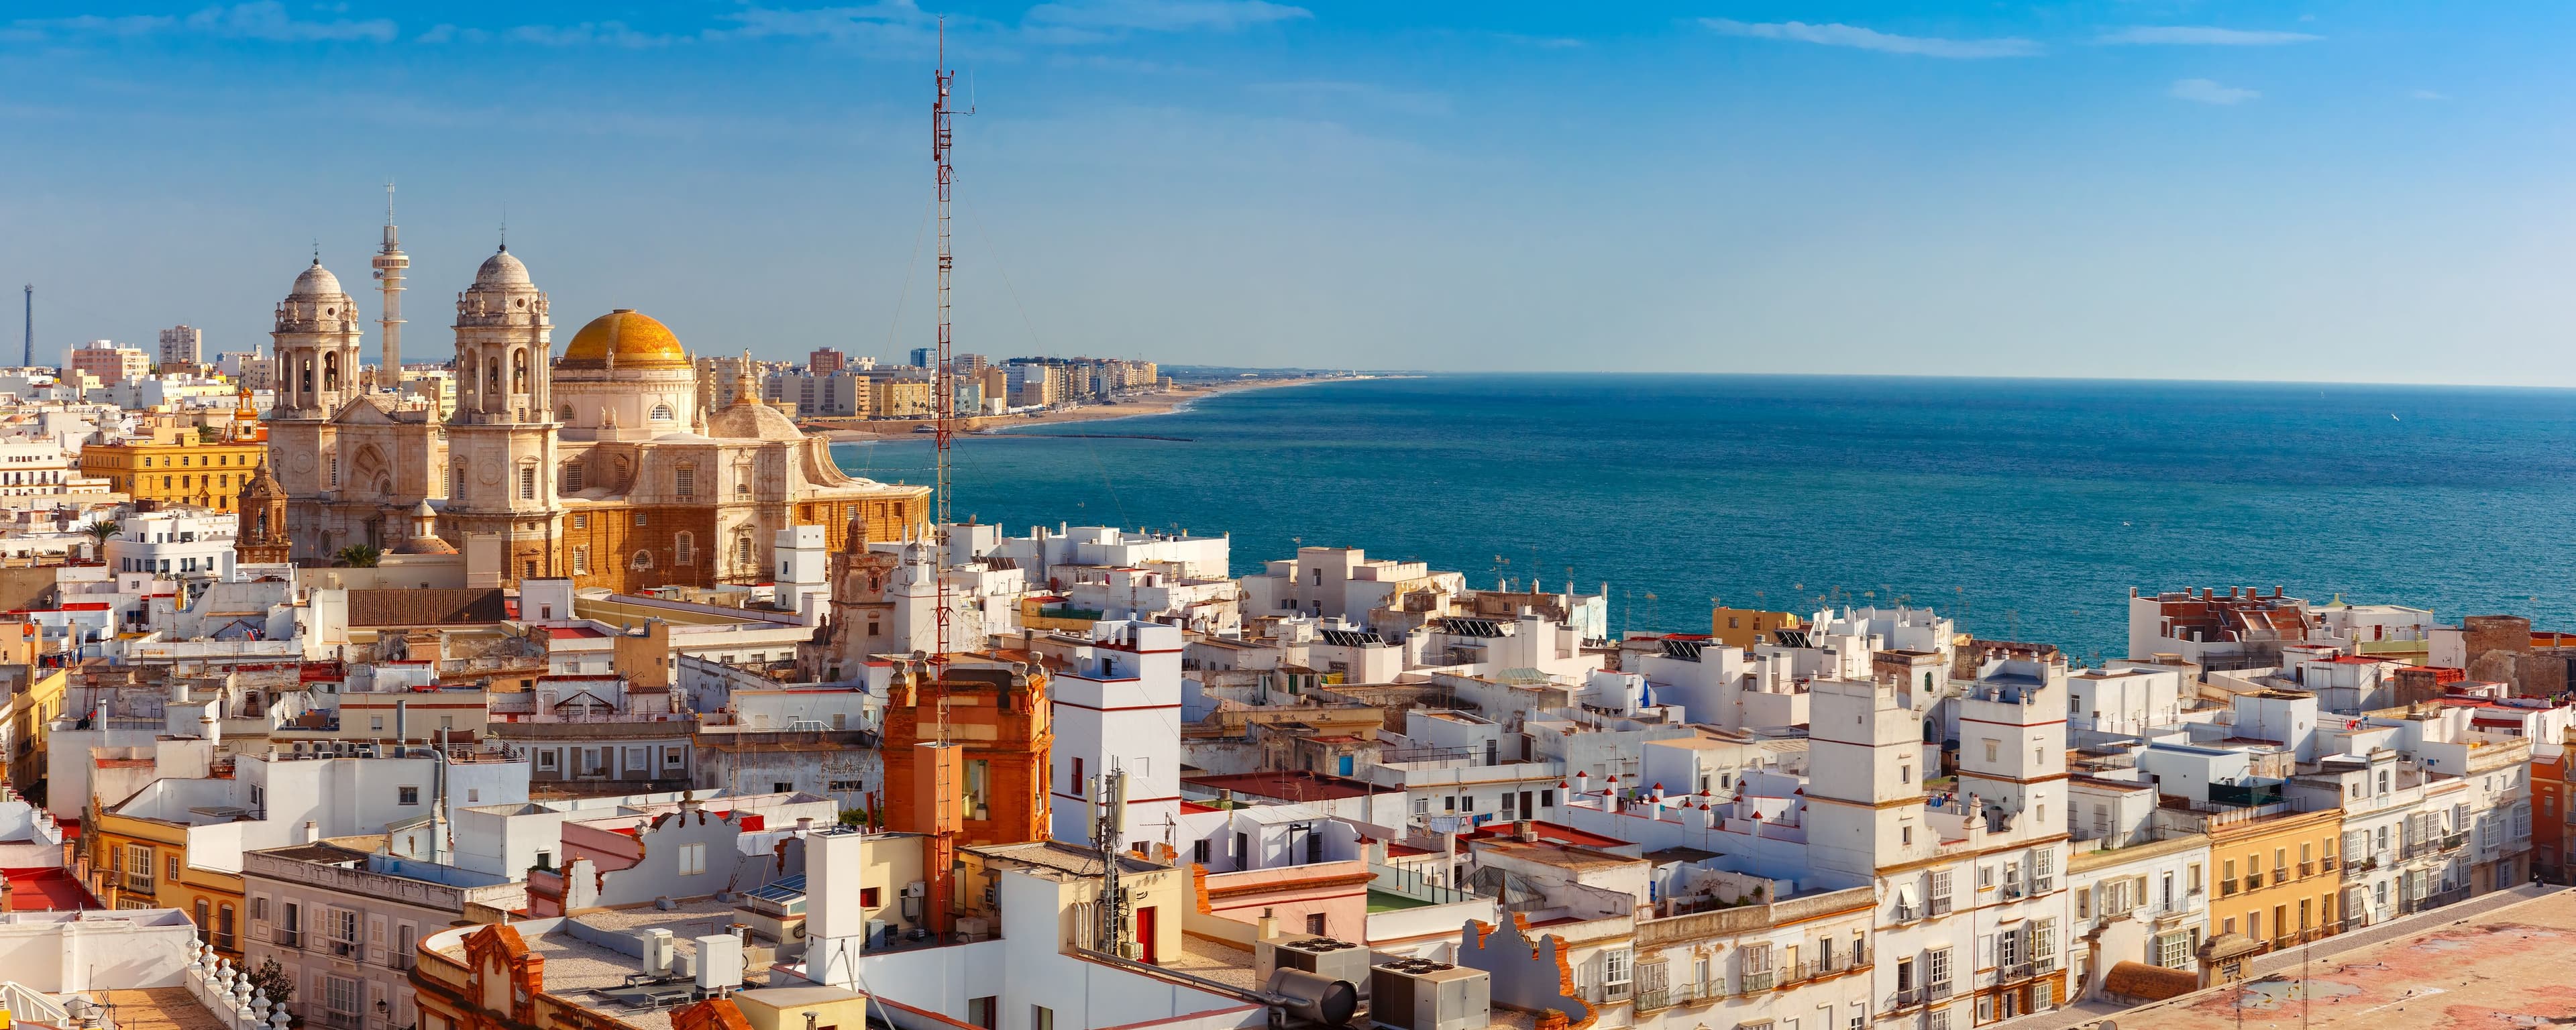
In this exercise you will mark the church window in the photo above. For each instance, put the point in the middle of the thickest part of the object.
(527, 483)
(580, 560)
(684, 480)
(335, 470)
(661, 413)
(572, 477)
(639, 518)
(519, 373)
(643, 559)
(684, 549)
(566, 415)
(742, 549)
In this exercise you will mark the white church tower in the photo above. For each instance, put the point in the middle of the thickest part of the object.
(1117, 703)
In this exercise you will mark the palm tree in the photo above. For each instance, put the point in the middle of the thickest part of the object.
(357, 556)
(103, 529)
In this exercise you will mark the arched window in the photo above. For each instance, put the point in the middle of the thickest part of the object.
(661, 413)
(742, 549)
(519, 370)
(565, 415)
(643, 560)
(572, 477)
(330, 371)
(683, 548)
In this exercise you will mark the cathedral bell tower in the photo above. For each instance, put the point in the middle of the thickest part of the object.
(501, 441)
(259, 537)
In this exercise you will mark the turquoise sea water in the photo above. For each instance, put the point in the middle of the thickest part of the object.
(2027, 509)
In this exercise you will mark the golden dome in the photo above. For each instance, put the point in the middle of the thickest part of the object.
(631, 339)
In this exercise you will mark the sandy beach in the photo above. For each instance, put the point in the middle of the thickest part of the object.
(1138, 407)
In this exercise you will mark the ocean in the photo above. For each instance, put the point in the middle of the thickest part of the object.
(2024, 509)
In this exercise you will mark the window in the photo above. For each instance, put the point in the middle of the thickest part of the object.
(572, 477)
(1615, 972)
(1199, 851)
(684, 480)
(580, 560)
(693, 859)
(1992, 748)
(978, 778)
(2173, 950)
(1936, 971)
(581, 521)
(639, 518)
(545, 759)
(259, 909)
(1041, 1018)
(407, 795)
(172, 867)
(642, 560)
(662, 413)
(671, 757)
(684, 548)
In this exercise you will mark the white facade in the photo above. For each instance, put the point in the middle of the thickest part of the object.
(174, 543)
(1117, 705)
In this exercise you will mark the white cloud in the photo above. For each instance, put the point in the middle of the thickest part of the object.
(263, 20)
(268, 20)
(1167, 15)
(862, 20)
(1837, 34)
(2200, 35)
(2205, 91)
(1398, 101)
(2426, 94)
(604, 33)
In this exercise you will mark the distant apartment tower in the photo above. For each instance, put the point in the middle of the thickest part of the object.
(1035, 384)
(922, 357)
(182, 346)
(970, 364)
(110, 362)
(825, 361)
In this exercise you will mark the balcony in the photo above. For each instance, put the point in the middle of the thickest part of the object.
(1908, 913)
(2226, 888)
(1941, 905)
(2015, 971)
(1761, 981)
(1937, 991)
(2280, 875)
(351, 950)
(1683, 994)
(2253, 882)
(138, 884)
(1906, 998)
(2307, 869)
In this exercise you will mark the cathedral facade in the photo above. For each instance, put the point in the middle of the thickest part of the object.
(608, 465)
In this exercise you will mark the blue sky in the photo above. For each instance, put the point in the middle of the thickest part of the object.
(2338, 191)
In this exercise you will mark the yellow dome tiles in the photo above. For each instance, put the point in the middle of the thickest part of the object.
(632, 339)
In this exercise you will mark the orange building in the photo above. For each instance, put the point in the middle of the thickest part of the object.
(998, 718)
(2553, 776)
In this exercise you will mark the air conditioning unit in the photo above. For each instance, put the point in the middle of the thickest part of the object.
(660, 952)
(1414, 994)
(1306, 952)
(915, 889)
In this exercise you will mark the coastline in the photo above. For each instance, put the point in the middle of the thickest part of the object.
(1143, 407)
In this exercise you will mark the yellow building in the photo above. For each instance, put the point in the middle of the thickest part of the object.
(135, 862)
(1745, 627)
(899, 398)
(176, 466)
(2278, 874)
(30, 712)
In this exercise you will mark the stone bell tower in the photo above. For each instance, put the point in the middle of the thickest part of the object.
(501, 441)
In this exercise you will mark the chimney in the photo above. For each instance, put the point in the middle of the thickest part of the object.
(312, 832)
(1266, 927)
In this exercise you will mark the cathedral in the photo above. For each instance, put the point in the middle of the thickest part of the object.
(609, 465)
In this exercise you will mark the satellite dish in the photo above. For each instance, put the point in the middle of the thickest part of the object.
(2108, 1025)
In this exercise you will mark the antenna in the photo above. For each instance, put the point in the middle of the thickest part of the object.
(943, 373)
(29, 358)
